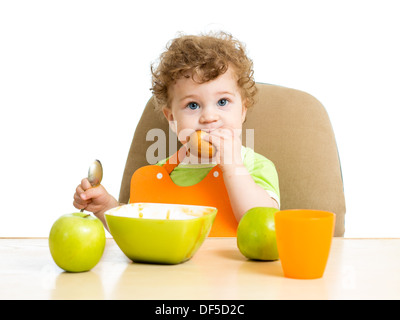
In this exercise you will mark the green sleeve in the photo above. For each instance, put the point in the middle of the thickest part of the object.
(263, 172)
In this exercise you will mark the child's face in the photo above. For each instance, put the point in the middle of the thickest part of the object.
(206, 106)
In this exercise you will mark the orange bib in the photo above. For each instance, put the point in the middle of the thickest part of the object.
(152, 183)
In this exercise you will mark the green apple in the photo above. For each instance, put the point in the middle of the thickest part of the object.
(256, 238)
(77, 241)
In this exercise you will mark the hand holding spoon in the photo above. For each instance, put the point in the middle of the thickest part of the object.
(95, 174)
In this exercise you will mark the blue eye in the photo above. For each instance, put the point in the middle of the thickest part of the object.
(222, 102)
(193, 106)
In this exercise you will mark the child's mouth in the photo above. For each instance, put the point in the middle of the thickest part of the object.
(208, 130)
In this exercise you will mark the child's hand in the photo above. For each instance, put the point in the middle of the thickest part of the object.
(228, 143)
(93, 199)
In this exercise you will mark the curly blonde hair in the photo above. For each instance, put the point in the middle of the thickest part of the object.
(206, 57)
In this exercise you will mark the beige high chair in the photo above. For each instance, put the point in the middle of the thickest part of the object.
(293, 130)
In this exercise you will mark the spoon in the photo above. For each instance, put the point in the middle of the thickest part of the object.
(95, 174)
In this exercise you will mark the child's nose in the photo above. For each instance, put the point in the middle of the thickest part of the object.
(208, 115)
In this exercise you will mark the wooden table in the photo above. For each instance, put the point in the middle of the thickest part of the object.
(357, 269)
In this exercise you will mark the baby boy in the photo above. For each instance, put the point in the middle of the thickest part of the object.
(205, 83)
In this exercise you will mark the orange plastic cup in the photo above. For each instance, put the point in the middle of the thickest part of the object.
(304, 240)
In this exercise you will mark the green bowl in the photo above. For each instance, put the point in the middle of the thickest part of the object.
(160, 233)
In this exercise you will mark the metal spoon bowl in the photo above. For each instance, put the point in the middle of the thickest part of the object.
(95, 173)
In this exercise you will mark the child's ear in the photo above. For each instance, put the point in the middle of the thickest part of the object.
(244, 112)
(170, 118)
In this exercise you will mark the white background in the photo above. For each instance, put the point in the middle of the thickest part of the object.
(75, 77)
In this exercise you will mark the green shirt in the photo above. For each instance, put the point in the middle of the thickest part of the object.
(261, 169)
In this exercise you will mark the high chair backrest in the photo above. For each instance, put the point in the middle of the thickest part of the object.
(292, 129)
